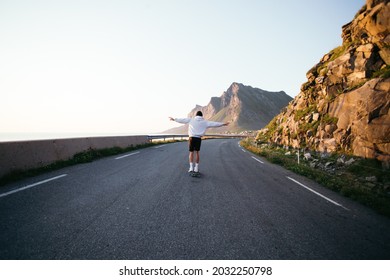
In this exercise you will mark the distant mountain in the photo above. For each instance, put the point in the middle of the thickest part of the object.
(245, 107)
(345, 104)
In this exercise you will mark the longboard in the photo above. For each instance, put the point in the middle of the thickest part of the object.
(194, 174)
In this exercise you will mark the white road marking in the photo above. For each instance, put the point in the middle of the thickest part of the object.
(258, 160)
(317, 193)
(32, 185)
(243, 150)
(127, 155)
(159, 146)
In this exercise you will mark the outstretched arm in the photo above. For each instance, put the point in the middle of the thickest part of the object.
(216, 124)
(185, 120)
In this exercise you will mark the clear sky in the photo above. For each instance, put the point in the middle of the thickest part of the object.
(126, 65)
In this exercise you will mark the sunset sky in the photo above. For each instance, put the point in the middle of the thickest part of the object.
(125, 66)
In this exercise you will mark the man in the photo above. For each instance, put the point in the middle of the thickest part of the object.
(196, 129)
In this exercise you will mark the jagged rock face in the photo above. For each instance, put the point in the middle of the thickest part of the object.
(245, 107)
(344, 105)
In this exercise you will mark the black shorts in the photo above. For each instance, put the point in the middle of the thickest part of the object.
(194, 143)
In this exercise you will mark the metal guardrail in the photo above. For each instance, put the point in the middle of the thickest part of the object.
(184, 136)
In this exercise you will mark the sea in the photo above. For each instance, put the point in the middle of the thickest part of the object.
(24, 136)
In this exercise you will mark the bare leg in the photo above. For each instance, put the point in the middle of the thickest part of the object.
(197, 157)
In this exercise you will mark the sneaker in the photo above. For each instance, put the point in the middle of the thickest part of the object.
(190, 170)
(196, 169)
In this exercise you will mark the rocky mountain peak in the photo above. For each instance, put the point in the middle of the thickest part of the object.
(344, 105)
(234, 88)
(245, 107)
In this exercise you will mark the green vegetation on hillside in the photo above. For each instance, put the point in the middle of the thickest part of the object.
(303, 113)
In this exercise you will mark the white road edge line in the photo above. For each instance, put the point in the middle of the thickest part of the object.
(317, 193)
(127, 155)
(243, 150)
(33, 185)
(258, 160)
(159, 146)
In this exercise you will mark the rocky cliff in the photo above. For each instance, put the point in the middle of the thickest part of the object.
(344, 105)
(245, 107)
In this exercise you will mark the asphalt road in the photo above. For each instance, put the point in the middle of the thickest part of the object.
(144, 205)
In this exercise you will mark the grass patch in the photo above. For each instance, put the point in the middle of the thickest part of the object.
(349, 183)
(313, 126)
(83, 157)
(269, 130)
(337, 52)
(302, 113)
(382, 73)
(327, 119)
(369, 167)
(340, 50)
(321, 70)
(272, 126)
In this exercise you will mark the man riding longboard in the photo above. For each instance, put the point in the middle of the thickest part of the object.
(197, 127)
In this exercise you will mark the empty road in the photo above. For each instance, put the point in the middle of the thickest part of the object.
(144, 205)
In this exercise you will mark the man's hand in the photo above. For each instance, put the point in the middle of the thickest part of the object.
(226, 123)
(171, 119)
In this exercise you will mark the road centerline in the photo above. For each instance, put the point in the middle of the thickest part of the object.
(317, 193)
(32, 185)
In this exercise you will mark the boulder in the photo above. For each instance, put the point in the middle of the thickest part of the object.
(329, 163)
(307, 156)
(341, 160)
(371, 179)
(316, 116)
(330, 128)
(365, 48)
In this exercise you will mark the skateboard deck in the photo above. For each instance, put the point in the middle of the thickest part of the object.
(194, 174)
